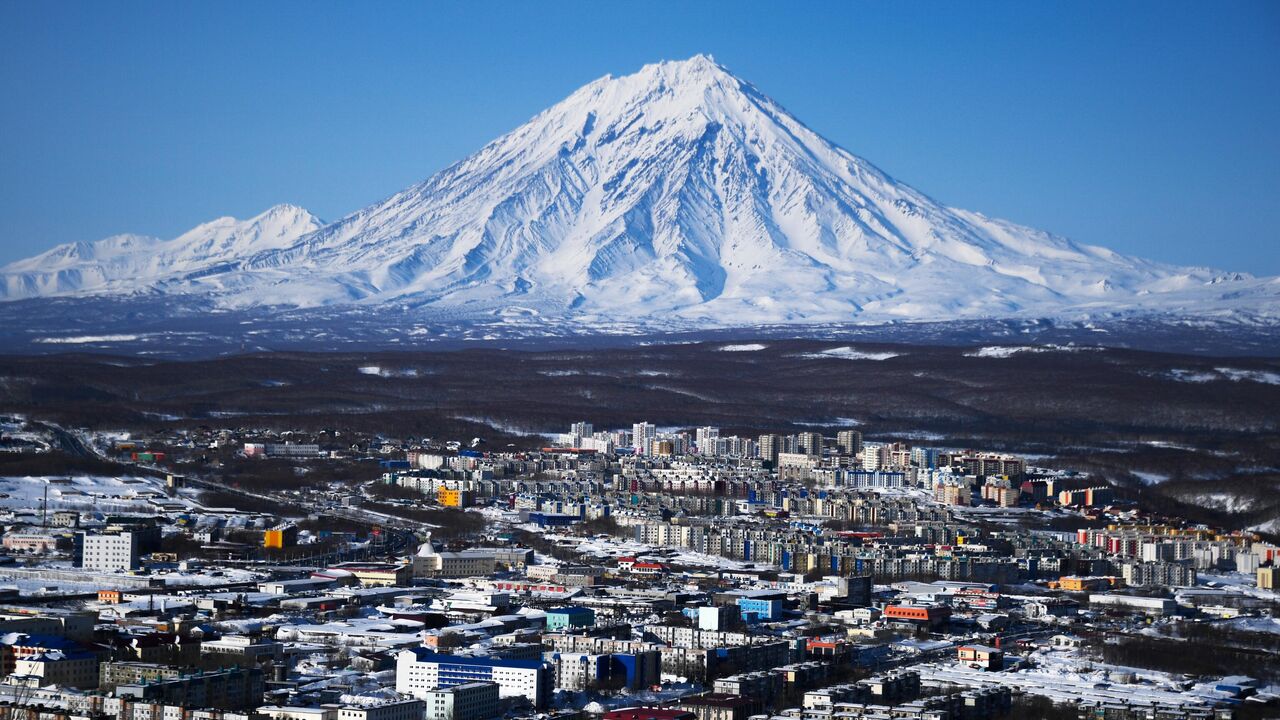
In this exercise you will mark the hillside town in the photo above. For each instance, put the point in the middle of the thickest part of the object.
(640, 573)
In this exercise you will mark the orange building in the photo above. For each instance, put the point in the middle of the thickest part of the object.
(280, 537)
(931, 615)
(981, 656)
(1077, 583)
(449, 497)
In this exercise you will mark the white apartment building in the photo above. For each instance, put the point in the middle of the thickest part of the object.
(770, 447)
(796, 466)
(809, 443)
(468, 701)
(420, 672)
(641, 435)
(849, 442)
(704, 438)
(107, 552)
(581, 430)
(874, 456)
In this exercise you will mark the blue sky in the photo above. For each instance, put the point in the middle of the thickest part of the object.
(1152, 128)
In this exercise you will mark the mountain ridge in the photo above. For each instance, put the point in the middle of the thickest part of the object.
(680, 192)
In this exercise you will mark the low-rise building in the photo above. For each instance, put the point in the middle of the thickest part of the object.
(570, 617)
(397, 710)
(464, 563)
(74, 668)
(30, 543)
(241, 650)
(981, 656)
(720, 706)
(932, 616)
(375, 574)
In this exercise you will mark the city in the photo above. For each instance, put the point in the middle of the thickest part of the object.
(642, 572)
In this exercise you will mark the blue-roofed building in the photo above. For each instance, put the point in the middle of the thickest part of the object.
(550, 519)
(759, 609)
(16, 646)
(570, 617)
(420, 671)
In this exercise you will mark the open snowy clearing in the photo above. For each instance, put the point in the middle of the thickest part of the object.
(1225, 374)
(86, 339)
(82, 492)
(849, 353)
(1006, 351)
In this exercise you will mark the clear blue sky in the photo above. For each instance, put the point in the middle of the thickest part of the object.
(1152, 128)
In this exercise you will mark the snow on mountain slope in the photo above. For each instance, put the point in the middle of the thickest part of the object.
(127, 264)
(679, 193)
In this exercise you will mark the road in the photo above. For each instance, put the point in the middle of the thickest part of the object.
(397, 534)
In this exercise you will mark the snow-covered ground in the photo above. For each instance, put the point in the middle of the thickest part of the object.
(81, 492)
(615, 548)
(1255, 624)
(1234, 583)
(1225, 374)
(1258, 376)
(1150, 478)
(387, 372)
(1006, 351)
(1229, 502)
(68, 580)
(1066, 675)
(833, 422)
(850, 353)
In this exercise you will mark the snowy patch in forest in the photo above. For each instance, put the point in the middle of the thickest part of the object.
(849, 353)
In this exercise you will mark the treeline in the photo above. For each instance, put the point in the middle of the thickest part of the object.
(1203, 657)
(56, 463)
(447, 524)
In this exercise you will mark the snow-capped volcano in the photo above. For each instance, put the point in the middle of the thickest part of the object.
(677, 193)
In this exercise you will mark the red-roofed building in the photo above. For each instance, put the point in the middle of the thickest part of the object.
(833, 649)
(932, 616)
(637, 567)
(648, 568)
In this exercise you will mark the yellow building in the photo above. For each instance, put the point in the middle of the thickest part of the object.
(449, 497)
(280, 537)
(1266, 578)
